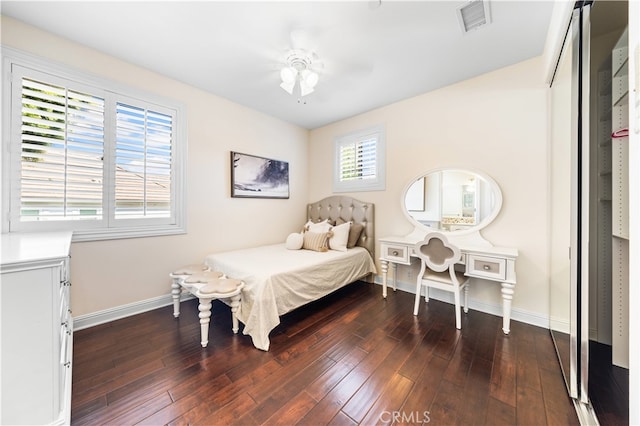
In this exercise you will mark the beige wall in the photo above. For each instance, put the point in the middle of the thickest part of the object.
(495, 123)
(108, 274)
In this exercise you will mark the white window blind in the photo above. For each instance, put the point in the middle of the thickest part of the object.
(62, 140)
(84, 156)
(359, 162)
(143, 163)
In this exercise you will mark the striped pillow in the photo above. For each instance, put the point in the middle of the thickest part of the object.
(316, 241)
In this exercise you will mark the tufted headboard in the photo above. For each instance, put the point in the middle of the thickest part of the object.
(349, 209)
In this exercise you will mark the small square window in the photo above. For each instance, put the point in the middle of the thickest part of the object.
(359, 161)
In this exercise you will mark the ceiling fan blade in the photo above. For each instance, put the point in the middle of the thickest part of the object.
(347, 68)
(300, 39)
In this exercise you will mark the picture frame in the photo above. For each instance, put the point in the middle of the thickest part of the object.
(258, 177)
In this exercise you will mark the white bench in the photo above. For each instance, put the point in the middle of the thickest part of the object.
(206, 285)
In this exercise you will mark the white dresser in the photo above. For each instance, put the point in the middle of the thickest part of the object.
(36, 329)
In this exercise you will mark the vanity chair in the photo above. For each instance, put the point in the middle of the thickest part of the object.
(438, 258)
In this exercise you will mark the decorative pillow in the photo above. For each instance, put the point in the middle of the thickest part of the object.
(316, 241)
(319, 227)
(294, 241)
(340, 237)
(354, 232)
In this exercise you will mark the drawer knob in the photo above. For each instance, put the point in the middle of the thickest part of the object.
(395, 252)
(486, 267)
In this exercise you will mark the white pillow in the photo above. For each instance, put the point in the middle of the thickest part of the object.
(319, 228)
(294, 241)
(340, 237)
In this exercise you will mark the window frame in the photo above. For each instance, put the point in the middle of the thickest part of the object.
(361, 185)
(108, 227)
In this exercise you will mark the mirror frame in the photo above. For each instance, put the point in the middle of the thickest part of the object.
(495, 188)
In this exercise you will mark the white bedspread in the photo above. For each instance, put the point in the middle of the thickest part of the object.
(278, 280)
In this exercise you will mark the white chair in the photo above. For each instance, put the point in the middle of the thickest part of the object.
(438, 258)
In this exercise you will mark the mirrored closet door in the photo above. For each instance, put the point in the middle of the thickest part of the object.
(589, 250)
(569, 190)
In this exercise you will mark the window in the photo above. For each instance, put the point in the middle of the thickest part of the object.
(359, 161)
(87, 157)
(143, 163)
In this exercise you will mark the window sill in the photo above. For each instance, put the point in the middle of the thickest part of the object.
(119, 234)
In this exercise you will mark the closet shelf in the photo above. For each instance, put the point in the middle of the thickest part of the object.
(620, 57)
(620, 236)
(623, 70)
(622, 100)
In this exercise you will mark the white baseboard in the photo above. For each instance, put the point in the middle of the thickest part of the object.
(521, 315)
(561, 325)
(101, 317)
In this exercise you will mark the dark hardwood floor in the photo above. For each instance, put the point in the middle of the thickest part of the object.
(351, 358)
(608, 386)
(608, 383)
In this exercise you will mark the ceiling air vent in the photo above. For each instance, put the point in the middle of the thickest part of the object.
(473, 15)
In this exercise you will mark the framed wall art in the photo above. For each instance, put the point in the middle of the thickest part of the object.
(258, 177)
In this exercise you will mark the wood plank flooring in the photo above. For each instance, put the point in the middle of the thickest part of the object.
(608, 386)
(350, 358)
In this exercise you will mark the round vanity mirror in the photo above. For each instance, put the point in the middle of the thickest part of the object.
(452, 200)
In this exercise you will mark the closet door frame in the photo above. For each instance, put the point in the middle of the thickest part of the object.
(584, 200)
(579, 31)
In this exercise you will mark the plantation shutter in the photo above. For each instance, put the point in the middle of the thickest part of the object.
(62, 147)
(358, 159)
(143, 163)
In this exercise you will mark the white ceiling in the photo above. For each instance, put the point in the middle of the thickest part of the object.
(373, 53)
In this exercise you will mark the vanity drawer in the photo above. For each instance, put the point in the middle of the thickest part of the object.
(395, 253)
(486, 267)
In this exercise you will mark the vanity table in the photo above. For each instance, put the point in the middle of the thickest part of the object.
(435, 201)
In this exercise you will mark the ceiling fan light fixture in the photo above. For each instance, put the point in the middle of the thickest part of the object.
(288, 86)
(288, 74)
(305, 89)
(298, 70)
(310, 78)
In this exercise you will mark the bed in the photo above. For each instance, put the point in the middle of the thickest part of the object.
(279, 280)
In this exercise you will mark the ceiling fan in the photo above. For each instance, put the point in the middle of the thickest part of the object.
(298, 69)
(301, 66)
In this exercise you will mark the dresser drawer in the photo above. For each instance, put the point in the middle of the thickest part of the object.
(395, 253)
(486, 267)
(64, 302)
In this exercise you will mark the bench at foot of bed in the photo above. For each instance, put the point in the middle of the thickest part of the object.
(207, 286)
